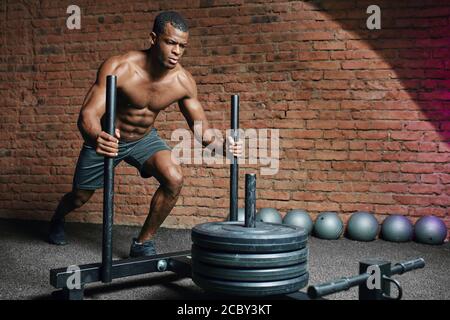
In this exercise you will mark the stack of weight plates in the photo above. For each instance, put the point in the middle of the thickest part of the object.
(229, 258)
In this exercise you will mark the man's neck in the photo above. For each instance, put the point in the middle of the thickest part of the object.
(155, 69)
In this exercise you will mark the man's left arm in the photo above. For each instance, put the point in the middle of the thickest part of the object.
(194, 113)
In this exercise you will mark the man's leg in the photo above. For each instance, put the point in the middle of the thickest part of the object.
(170, 177)
(69, 202)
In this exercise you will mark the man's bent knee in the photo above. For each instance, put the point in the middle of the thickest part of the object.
(174, 180)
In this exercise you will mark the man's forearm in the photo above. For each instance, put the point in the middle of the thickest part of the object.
(213, 142)
(90, 127)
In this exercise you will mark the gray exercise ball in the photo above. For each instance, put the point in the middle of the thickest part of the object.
(362, 226)
(241, 215)
(270, 215)
(430, 230)
(328, 226)
(299, 218)
(397, 228)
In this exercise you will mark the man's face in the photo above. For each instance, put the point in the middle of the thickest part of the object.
(171, 45)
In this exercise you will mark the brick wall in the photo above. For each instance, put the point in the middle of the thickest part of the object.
(363, 114)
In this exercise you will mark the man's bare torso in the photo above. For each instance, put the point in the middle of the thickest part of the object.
(140, 98)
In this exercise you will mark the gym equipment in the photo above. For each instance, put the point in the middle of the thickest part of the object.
(108, 194)
(234, 166)
(299, 218)
(328, 226)
(366, 271)
(397, 228)
(232, 249)
(233, 236)
(430, 230)
(250, 274)
(249, 260)
(362, 226)
(270, 215)
(251, 289)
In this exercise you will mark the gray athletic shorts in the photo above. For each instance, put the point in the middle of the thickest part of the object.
(90, 165)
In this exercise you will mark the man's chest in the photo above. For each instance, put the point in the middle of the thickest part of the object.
(145, 95)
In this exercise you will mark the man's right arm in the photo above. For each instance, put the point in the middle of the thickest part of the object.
(89, 120)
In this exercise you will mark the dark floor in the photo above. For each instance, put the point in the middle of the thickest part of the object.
(27, 259)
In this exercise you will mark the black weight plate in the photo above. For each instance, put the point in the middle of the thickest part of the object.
(251, 289)
(249, 260)
(260, 274)
(233, 236)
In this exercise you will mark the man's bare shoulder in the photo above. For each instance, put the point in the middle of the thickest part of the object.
(187, 81)
(122, 64)
(134, 57)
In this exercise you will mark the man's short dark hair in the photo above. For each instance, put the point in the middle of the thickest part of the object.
(172, 17)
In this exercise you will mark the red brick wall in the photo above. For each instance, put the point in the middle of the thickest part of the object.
(363, 114)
